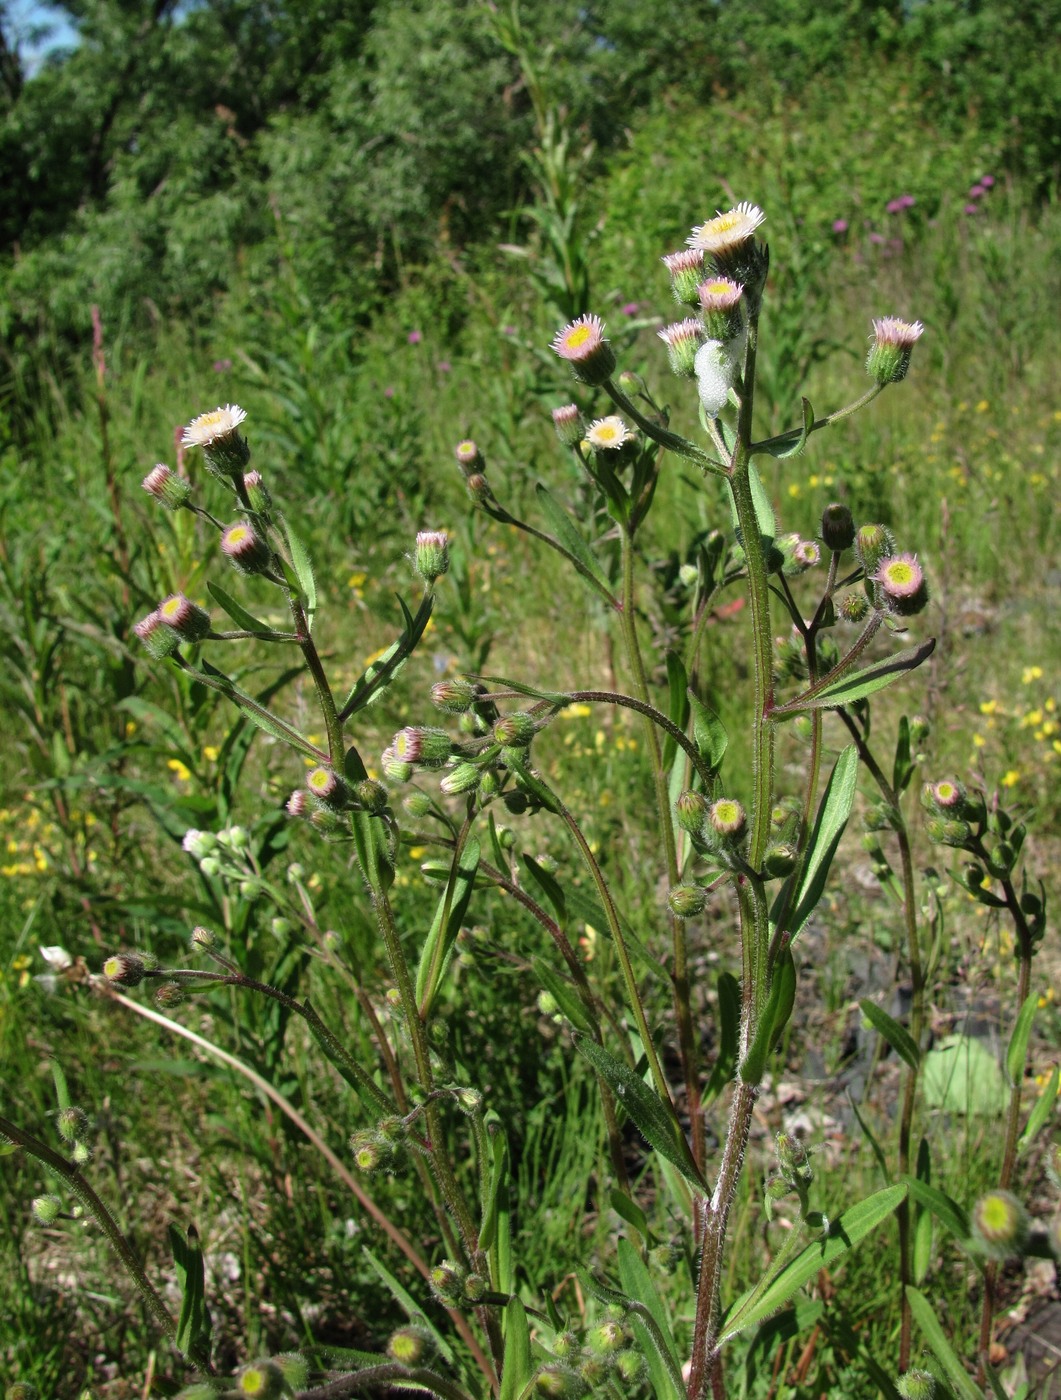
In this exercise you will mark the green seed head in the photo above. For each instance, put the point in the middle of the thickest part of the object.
(916, 1385)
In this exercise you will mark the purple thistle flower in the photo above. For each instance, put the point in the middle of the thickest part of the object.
(414, 337)
(987, 181)
(839, 226)
(630, 308)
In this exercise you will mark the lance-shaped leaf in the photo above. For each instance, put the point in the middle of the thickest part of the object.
(409, 1306)
(446, 924)
(926, 1319)
(845, 1232)
(1017, 1052)
(728, 1036)
(571, 541)
(773, 1020)
(859, 684)
(516, 1372)
(300, 562)
(709, 733)
(497, 1186)
(255, 712)
(236, 611)
(1041, 1112)
(677, 705)
(650, 1114)
(897, 1036)
(764, 510)
(833, 812)
(565, 996)
(375, 679)
(193, 1324)
(946, 1210)
(790, 443)
(548, 884)
(656, 1343)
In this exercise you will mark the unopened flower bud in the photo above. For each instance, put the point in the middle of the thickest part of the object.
(167, 487)
(424, 748)
(948, 833)
(872, 544)
(686, 901)
(81, 1153)
(417, 804)
(559, 1383)
(409, 1345)
(262, 1379)
(691, 811)
(294, 1368)
(46, 1209)
(474, 1288)
(916, 1385)
(630, 1365)
(455, 695)
(469, 458)
(665, 1258)
(920, 728)
(686, 269)
(261, 502)
(515, 730)
(683, 340)
(431, 558)
(779, 860)
(464, 778)
(199, 843)
(190, 622)
(606, 1339)
(548, 1004)
(161, 641)
(792, 1158)
(583, 346)
(297, 805)
(565, 1344)
(727, 818)
(124, 969)
(245, 549)
(853, 607)
(478, 487)
(1001, 1225)
(837, 528)
(568, 424)
(169, 995)
(371, 795)
(328, 788)
(720, 307)
(72, 1123)
(447, 1281)
(892, 344)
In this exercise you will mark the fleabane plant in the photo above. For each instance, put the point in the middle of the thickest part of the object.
(727, 840)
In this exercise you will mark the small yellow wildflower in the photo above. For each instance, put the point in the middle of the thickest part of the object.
(183, 772)
(1031, 673)
(576, 711)
(982, 406)
(1011, 777)
(988, 707)
(211, 752)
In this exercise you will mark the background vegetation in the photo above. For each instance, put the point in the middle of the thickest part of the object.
(363, 222)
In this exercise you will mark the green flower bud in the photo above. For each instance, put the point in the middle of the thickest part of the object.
(371, 795)
(569, 426)
(948, 833)
(892, 344)
(559, 1383)
(167, 487)
(474, 1288)
(1000, 1225)
(261, 502)
(424, 748)
(169, 995)
(916, 1385)
(565, 1344)
(837, 528)
(124, 969)
(606, 1339)
(665, 1258)
(204, 937)
(515, 730)
(455, 695)
(464, 778)
(417, 804)
(630, 1365)
(431, 558)
(872, 544)
(280, 927)
(294, 1368)
(792, 1158)
(447, 1281)
(691, 811)
(727, 818)
(687, 901)
(547, 1004)
(262, 1379)
(72, 1124)
(853, 607)
(410, 1345)
(779, 860)
(46, 1209)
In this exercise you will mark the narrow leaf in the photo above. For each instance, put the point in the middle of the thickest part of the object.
(572, 541)
(709, 733)
(659, 1351)
(833, 812)
(775, 1016)
(844, 1233)
(878, 1151)
(651, 1116)
(548, 884)
(1041, 1112)
(678, 704)
(1017, 1053)
(897, 1036)
(193, 1324)
(946, 1210)
(849, 688)
(300, 562)
(408, 1304)
(555, 697)
(446, 924)
(498, 1179)
(516, 1373)
(567, 999)
(236, 611)
(629, 1211)
(926, 1319)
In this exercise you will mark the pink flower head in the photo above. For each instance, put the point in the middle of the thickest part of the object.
(685, 269)
(971, 209)
(388, 392)
(583, 346)
(987, 181)
(890, 330)
(839, 226)
(892, 343)
(444, 366)
(895, 206)
(414, 337)
(977, 192)
(907, 201)
(630, 308)
(902, 581)
(568, 424)
(876, 238)
(683, 340)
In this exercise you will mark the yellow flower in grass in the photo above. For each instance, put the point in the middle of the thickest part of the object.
(181, 770)
(1010, 778)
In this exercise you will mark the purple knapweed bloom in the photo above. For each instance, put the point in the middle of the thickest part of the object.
(414, 337)
(630, 308)
(971, 209)
(839, 226)
(987, 181)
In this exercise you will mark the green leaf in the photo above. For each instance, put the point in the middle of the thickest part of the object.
(651, 1116)
(925, 1317)
(446, 924)
(922, 1246)
(845, 1232)
(878, 1151)
(236, 611)
(193, 1323)
(774, 1018)
(833, 812)
(629, 1211)
(660, 1351)
(548, 884)
(1041, 1112)
(849, 688)
(516, 1375)
(145, 713)
(946, 1210)
(409, 1306)
(728, 1036)
(709, 733)
(300, 562)
(902, 767)
(338, 1055)
(376, 677)
(498, 1180)
(555, 697)
(572, 541)
(787, 444)
(1017, 1053)
(585, 907)
(256, 713)
(567, 999)
(959, 1075)
(677, 706)
(897, 1036)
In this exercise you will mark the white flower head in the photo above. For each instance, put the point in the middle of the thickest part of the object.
(211, 428)
(727, 231)
(610, 432)
(58, 959)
